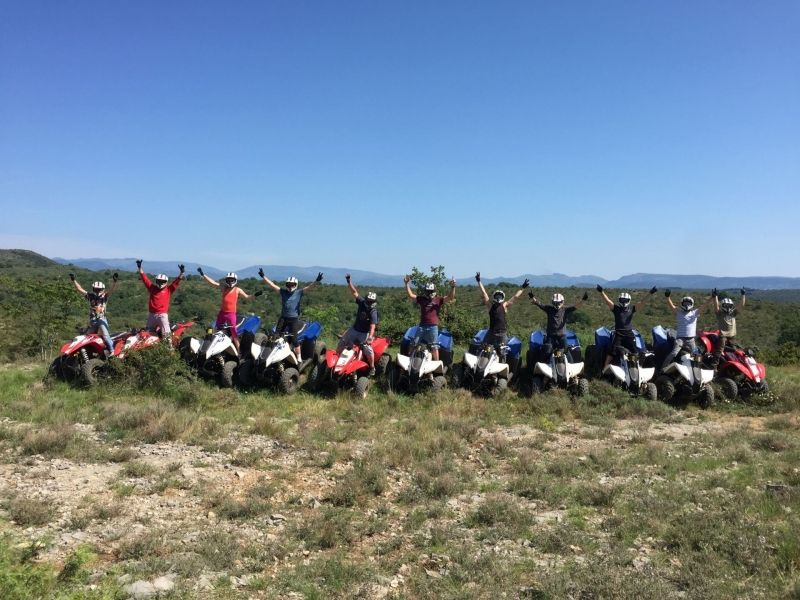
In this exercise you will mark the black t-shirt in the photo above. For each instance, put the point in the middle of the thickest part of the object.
(366, 316)
(557, 318)
(623, 316)
(497, 318)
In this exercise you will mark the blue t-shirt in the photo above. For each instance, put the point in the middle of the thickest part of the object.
(290, 303)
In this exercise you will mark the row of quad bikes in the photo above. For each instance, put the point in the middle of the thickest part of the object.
(267, 359)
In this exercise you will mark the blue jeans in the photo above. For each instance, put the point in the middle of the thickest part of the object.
(101, 326)
(428, 334)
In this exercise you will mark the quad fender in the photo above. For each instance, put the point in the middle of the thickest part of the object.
(496, 368)
(544, 370)
(194, 345)
(254, 350)
(616, 372)
(404, 362)
(310, 332)
(249, 324)
(740, 369)
(646, 374)
(435, 367)
(331, 358)
(470, 360)
(218, 344)
(379, 346)
(573, 370)
(276, 354)
(354, 365)
(82, 341)
(706, 375)
(180, 328)
(683, 371)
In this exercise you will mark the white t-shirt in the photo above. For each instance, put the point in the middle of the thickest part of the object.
(687, 322)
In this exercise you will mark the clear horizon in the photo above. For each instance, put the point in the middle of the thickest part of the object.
(516, 137)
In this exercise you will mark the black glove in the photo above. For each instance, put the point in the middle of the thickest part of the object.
(667, 293)
(200, 270)
(259, 292)
(526, 283)
(599, 288)
(139, 264)
(478, 276)
(181, 268)
(743, 292)
(72, 276)
(319, 277)
(585, 296)
(653, 290)
(347, 277)
(115, 276)
(530, 295)
(260, 272)
(714, 293)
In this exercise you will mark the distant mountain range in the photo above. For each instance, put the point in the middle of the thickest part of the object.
(336, 275)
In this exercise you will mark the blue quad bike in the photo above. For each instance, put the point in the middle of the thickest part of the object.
(486, 371)
(630, 371)
(549, 368)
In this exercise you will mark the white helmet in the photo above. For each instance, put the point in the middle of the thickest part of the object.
(727, 305)
(161, 280)
(558, 300)
(372, 298)
(98, 286)
(498, 296)
(291, 281)
(430, 289)
(687, 303)
(624, 298)
(231, 279)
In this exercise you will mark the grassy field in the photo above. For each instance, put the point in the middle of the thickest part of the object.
(216, 494)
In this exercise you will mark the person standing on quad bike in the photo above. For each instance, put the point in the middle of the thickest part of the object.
(557, 315)
(98, 298)
(623, 318)
(289, 321)
(160, 295)
(363, 330)
(686, 325)
(430, 305)
(726, 320)
(497, 334)
(230, 296)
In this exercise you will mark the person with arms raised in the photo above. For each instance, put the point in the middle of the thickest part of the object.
(160, 296)
(230, 296)
(363, 330)
(498, 306)
(98, 298)
(623, 320)
(430, 305)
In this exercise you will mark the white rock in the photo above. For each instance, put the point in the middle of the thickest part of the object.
(140, 589)
(164, 584)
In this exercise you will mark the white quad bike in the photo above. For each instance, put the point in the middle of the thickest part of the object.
(632, 371)
(687, 377)
(269, 358)
(215, 356)
(414, 368)
(559, 368)
(484, 370)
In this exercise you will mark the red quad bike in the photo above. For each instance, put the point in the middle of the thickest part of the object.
(83, 359)
(349, 370)
(738, 373)
(145, 338)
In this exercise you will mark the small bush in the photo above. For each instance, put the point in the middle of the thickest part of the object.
(27, 511)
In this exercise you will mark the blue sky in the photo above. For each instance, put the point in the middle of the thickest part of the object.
(578, 137)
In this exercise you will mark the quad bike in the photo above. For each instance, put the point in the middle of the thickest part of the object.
(558, 368)
(414, 368)
(215, 356)
(738, 372)
(269, 358)
(631, 371)
(349, 370)
(687, 377)
(484, 370)
(83, 359)
(144, 338)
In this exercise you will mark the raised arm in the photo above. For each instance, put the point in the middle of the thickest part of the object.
(510, 302)
(409, 293)
(484, 295)
(353, 289)
(247, 296)
(207, 278)
(314, 283)
(715, 296)
(268, 281)
(743, 293)
(708, 301)
(667, 294)
(582, 299)
(451, 296)
(77, 285)
(644, 299)
(114, 279)
(605, 297)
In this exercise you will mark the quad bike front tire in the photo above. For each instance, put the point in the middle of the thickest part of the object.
(651, 391)
(246, 374)
(500, 387)
(706, 397)
(439, 383)
(227, 374)
(457, 376)
(665, 388)
(383, 364)
(582, 387)
(728, 388)
(289, 380)
(319, 351)
(590, 360)
(90, 370)
(361, 387)
(56, 369)
(537, 385)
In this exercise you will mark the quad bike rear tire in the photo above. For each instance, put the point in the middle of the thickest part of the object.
(500, 387)
(361, 387)
(537, 385)
(665, 388)
(227, 373)
(651, 391)
(582, 387)
(57, 368)
(289, 381)
(439, 383)
(90, 370)
(457, 376)
(319, 351)
(728, 388)
(706, 397)
(383, 364)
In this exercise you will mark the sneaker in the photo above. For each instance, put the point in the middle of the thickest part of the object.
(372, 371)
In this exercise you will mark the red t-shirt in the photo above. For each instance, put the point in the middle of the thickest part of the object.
(159, 297)
(429, 309)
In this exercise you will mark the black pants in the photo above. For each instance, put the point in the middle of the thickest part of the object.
(624, 341)
(553, 342)
(290, 326)
(498, 340)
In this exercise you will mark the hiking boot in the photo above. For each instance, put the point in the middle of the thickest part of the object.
(372, 371)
